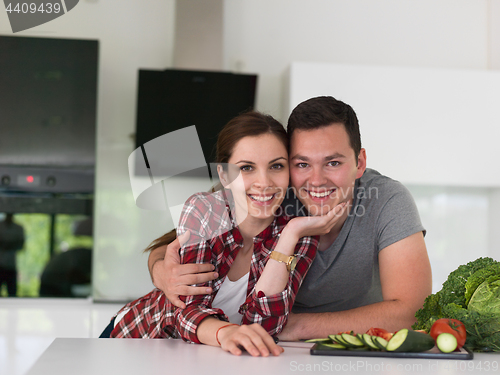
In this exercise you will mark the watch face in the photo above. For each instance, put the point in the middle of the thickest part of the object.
(293, 263)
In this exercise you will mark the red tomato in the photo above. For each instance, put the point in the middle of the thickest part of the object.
(348, 332)
(380, 332)
(453, 326)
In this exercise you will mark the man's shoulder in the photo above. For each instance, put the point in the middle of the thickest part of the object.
(374, 184)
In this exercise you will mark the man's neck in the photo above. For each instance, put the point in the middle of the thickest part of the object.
(328, 239)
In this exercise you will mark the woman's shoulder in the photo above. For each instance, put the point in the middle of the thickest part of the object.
(206, 214)
(207, 217)
(206, 200)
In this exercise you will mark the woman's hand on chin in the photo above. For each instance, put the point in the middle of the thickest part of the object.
(316, 225)
(252, 338)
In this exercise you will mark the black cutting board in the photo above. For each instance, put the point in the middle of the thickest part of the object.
(434, 353)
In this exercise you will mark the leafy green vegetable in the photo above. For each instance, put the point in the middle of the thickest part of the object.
(453, 290)
(478, 278)
(429, 314)
(486, 298)
(483, 329)
(480, 312)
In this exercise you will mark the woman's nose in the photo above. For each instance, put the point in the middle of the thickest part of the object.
(263, 180)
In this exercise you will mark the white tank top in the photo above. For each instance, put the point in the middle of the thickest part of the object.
(231, 296)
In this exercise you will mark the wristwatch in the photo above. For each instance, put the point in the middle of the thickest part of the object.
(289, 260)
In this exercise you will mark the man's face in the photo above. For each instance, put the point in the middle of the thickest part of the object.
(323, 167)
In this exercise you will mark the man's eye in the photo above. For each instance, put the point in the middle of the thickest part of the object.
(246, 168)
(277, 166)
(301, 165)
(333, 163)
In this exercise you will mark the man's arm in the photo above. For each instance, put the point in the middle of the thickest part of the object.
(155, 255)
(175, 279)
(406, 280)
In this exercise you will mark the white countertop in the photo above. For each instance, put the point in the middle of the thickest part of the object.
(138, 357)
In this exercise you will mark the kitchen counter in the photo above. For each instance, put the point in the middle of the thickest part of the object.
(136, 356)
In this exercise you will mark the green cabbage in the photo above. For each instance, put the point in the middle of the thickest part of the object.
(486, 298)
(478, 278)
(471, 294)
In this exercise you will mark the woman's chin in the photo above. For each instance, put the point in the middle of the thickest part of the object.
(262, 213)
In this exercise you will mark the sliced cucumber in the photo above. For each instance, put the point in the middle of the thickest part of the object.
(368, 340)
(352, 340)
(339, 340)
(446, 342)
(360, 338)
(380, 342)
(319, 340)
(332, 346)
(335, 339)
(410, 341)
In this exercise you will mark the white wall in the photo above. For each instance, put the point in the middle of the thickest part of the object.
(199, 35)
(419, 125)
(132, 35)
(265, 36)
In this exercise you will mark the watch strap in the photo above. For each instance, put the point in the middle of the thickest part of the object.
(289, 260)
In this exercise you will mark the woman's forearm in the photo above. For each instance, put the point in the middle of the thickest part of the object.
(207, 330)
(275, 276)
(234, 338)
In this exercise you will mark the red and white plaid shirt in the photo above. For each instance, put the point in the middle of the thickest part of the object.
(216, 239)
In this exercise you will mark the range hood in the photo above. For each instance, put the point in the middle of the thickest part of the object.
(47, 115)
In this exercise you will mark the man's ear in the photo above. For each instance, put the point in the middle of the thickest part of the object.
(222, 175)
(361, 163)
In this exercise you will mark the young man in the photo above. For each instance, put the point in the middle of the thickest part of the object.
(372, 268)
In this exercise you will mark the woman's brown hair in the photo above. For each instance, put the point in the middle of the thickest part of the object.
(248, 124)
(164, 240)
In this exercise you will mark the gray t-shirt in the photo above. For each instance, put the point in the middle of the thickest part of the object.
(346, 275)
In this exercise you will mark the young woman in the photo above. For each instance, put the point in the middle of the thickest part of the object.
(261, 256)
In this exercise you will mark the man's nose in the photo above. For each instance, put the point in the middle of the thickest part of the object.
(317, 177)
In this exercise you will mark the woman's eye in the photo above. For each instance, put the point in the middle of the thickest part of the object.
(277, 166)
(246, 168)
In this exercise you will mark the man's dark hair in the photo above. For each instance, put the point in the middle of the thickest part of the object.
(322, 111)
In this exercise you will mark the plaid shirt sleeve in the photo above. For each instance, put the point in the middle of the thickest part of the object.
(199, 218)
(147, 317)
(271, 312)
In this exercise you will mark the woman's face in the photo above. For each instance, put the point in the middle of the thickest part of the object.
(262, 165)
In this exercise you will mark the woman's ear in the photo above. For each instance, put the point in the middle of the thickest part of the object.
(222, 175)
